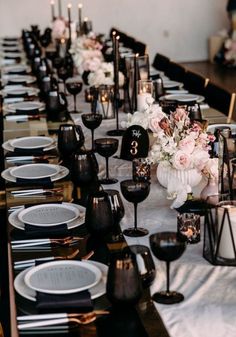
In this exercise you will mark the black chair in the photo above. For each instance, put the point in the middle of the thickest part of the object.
(161, 62)
(175, 72)
(221, 100)
(195, 83)
(140, 48)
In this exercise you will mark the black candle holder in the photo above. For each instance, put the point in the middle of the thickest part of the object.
(219, 247)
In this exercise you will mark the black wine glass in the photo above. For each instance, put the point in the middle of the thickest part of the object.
(135, 192)
(74, 87)
(106, 147)
(118, 212)
(124, 286)
(63, 74)
(167, 246)
(92, 122)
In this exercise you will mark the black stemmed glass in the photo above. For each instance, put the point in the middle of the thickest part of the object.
(74, 87)
(167, 246)
(135, 192)
(106, 147)
(92, 122)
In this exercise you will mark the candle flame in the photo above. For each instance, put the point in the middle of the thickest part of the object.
(69, 5)
(118, 37)
(114, 33)
(85, 19)
(52, 2)
(63, 40)
(80, 5)
(137, 55)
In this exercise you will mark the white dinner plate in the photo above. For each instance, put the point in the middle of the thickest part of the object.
(36, 142)
(7, 146)
(98, 290)
(35, 171)
(18, 68)
(63, 172)
(20, 91)
(48, 214)
(24, 106)
(171, 84)
(183, 98)
(16, 223)
(19, 78)
(63, 277)
(178, 92)
(211, 128)
(11, 54)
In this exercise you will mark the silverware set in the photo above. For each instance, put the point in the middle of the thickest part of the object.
(70, 240)
(37, 321)
(39, 191)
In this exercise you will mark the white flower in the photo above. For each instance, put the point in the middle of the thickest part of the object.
(104, 75)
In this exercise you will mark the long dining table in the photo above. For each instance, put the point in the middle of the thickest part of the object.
(209, 306)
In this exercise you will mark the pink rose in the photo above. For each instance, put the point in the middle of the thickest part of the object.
(181, 160)
(187, 144)
(154, 125)
(179, 115)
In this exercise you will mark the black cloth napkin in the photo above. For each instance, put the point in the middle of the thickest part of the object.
(26, 152)
(81, 302)
(16, 83)
(16, 95)
(26, 112)
(46, 182)
(39, 232)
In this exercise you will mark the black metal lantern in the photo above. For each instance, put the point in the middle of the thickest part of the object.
(219, 246)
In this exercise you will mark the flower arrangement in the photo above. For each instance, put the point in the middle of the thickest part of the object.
(179, 144)
(86, 51)
(104, 75)
(230, 51)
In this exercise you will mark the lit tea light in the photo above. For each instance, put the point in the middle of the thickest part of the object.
(226, 245)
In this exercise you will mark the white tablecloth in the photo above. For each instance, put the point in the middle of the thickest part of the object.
(209, 307)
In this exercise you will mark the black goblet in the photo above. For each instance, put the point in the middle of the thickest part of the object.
(167, 246)
(74, 87)
(118, 212)
(106, 147)
(99, 217)
(135, 192)
(92, 122)
(123, 280)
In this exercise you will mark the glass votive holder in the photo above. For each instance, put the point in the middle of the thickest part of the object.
(188, 225)
(141, 169)
(105, 101)
(145, 93)
(88, 96)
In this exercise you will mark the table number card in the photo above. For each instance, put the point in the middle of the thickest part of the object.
(135, 143)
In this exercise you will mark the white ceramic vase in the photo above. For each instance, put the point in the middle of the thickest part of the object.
(189, 177)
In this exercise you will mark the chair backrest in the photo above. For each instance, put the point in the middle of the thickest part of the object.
(221, 100)
(161, 62)
(175, 72)
(195, 83)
